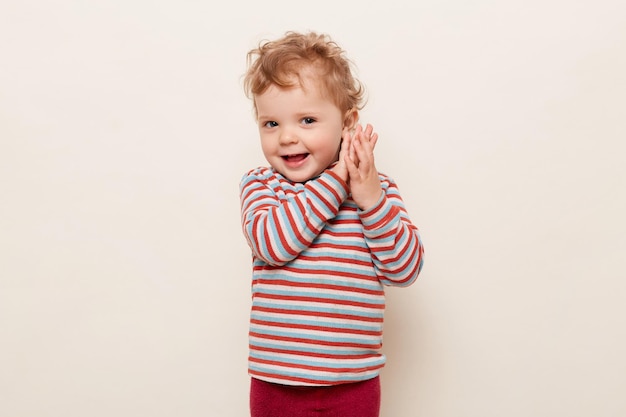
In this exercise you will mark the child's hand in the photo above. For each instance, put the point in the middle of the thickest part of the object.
(369, 133)
(344, 152)
(363, 175)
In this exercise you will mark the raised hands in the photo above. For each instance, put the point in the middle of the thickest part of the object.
(359, 162)
(340, 167)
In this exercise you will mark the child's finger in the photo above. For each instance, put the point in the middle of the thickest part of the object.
(373, 140)
(368, 130)
(353, 169)
(366, 143)
(370, 135)
(346, 142)
(353, 156)
(363, 151)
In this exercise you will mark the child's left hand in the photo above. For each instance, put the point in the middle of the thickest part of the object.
(364, 181)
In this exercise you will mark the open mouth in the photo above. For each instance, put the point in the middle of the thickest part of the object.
(295, 157)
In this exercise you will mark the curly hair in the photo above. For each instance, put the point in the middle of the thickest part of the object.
(286, 61)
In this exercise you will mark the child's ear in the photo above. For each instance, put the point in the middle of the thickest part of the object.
(350, 118)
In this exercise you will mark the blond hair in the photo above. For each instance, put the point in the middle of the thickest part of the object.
(286, 61)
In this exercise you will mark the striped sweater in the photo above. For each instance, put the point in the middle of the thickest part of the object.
(318, 269)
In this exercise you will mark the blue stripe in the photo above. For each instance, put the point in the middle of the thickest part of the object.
(272, 275)
(307, 233)
(322, 378)
(311, 267)
(377, 217)
(334, 325)
(381, 215)
(389, 266)
(330, 297)
(311, 349)
(278, 246)
(318, 364)
(373, 341)
(393, 252)
(349, 215)
(351, 256)
(318, 202)
(375, 314)
(341, 229)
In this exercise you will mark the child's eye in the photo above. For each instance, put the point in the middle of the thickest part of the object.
(308, 120)
(270, 123)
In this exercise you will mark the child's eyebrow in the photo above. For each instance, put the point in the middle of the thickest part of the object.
(311, 113)
(298, 115)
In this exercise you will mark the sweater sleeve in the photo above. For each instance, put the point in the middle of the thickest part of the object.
(278, 229)
(393, 240)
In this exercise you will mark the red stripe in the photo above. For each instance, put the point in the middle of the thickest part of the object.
(318, 275)
(319, 300)
(324, 355)
(393, 211)
(317, 213)
(281, 236)
(328, 205)
(346, 221)
(313, 342)
(266, 238)
(308, 272)
(331, 189)
(294, 226)
(249, 190)
(388, 233)
(413, 273)
(342, 261)
(320, 285)
(393, 246)
(306, 218)
(325, 329)
(340, 246)
(329, 272)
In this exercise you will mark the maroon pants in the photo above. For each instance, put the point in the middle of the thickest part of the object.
(358, 399)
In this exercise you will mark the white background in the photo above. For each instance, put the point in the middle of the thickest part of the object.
(124, 132)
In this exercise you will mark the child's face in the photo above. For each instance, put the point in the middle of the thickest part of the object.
(300, 130)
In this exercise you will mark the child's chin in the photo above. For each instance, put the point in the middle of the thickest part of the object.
(295, 177)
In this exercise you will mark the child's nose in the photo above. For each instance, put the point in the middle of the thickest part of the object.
(287, 136)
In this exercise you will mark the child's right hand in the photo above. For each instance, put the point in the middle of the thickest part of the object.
(367, 134)
(346, 150)
(364, 135)
(340, 168)
(363, 176)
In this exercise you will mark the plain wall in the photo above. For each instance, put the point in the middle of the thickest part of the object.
(124, 132)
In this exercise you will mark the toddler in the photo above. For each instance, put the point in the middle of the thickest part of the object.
(327, 231)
